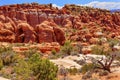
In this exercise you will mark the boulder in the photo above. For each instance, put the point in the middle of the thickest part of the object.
(98, 34)
(45, 32)
(88, 36)
(2, 18)
(6, 35)
(49, 32)
(25, 33)
(1, 25)
(67, 23)
(59, 34)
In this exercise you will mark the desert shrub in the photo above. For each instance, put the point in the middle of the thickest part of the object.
(2, 49)
(76, 50)
(100, 50)
(112, 42)
(4, 73)
(5, 48)
(19, 44)
(34, 60)
(22, 70)
(117, 56)
(67, 48)
(104, 63)
(73, 71)
(55, 56)
(8, 57)
(43, 69)
(79, 47)
(87, 75)
(62, 70)
(53, 52)
(30, 52)
(87, 67)
(46, 70)
(32, 67)
(1, 64)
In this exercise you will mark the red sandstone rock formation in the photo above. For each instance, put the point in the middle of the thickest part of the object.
(45, 32)
(49, 47)
(59, 34)
(6, 35)
(44, 47)
(44, 23)
(25, 33)
(49, 32)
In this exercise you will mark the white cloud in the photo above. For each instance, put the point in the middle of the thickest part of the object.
(97, 4)
(54, 5)
(104, 5)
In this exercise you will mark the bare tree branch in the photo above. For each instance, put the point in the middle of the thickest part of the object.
(105, 64)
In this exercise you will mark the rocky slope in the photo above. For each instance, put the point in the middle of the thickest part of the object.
(34, 22)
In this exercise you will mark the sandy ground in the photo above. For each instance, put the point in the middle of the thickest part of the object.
(3, 78)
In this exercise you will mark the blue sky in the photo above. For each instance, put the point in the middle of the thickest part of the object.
(106, 4)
